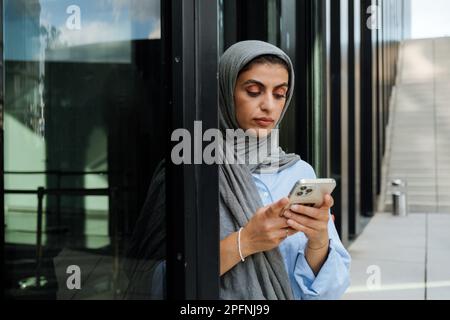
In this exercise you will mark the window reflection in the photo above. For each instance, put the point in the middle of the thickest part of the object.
(84, 121)
(59, 24)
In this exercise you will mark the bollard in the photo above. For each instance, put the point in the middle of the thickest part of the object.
(399, 204)
(399, 198)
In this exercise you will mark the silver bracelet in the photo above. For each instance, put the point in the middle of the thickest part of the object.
(315, 249)
(239, 245)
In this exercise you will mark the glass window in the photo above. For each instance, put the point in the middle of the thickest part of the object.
(287, 42)
(244, 20)
(84, 123)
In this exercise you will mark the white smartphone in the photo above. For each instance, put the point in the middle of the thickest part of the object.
(311, 192)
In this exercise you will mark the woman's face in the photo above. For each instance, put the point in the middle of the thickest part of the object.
(260, 97)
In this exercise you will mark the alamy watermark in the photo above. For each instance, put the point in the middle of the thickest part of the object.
(373, 282)
(237, 147)
(374, 20)
(74, 280)
(73, 22)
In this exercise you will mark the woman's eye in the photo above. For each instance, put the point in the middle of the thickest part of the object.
(280, 96)
(253, 93)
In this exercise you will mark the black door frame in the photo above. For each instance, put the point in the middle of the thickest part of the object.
(339, 153)
(304, 90)
(368, 112)
(354, 156)
(2, 186)
(193, 213)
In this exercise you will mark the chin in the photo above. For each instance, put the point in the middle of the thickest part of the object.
(262, 133)
(259, 132)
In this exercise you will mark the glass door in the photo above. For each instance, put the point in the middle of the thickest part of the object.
(84, 140)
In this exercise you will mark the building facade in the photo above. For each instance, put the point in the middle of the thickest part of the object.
(91, 92)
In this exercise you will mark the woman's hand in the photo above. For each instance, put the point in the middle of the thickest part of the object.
(313, 222)
(266, 229)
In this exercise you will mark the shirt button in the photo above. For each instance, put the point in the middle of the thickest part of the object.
(265, 194)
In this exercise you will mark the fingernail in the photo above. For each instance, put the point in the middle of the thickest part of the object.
(295, 207)
(287, 214)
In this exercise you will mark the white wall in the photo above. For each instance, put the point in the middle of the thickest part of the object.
(430, 18)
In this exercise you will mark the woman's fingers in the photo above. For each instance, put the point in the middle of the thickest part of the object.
(284, 233)
(320, 214)
(276, 209)
(278, 222)
(313, 213)
(328, 202)
(306, 221)
(307, 211)
(309, 232)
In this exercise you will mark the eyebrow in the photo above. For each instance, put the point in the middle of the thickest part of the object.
(251, 81)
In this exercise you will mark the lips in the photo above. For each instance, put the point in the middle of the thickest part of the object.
(264, 122)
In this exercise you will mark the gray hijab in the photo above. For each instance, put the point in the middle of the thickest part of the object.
(263, 275)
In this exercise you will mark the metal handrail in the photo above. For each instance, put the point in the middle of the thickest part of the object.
(58, 172)
(62, 191)
(65, 191)
(41, 192)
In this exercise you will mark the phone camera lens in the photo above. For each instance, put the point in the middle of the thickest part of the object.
(303, 188)
(299, 194)
(308, 191)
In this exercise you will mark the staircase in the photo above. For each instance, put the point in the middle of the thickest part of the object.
(419, 148)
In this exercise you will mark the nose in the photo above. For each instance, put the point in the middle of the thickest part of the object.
(268, 103)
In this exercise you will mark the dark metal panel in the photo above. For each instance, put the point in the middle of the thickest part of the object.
(382, 75)
(252, 22)
(172, 15)
(373, 117)
(2, 186)
(229, 23)
(193, 241)
(207, 176)
(323, 121)
(311, 96)
(320, 95)
(335, 150)
(339, 113)
(304, 88)
(351, 118)
(288, 43)
(366, 116)
(353, 104)
(245, 20)
(344, 70)
(357, 116)
(388, 70)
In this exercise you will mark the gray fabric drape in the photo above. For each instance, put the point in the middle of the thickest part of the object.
(263, 275)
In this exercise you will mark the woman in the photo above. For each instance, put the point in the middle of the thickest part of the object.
(267, 252)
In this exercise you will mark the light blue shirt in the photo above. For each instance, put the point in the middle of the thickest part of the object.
(333, 278)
